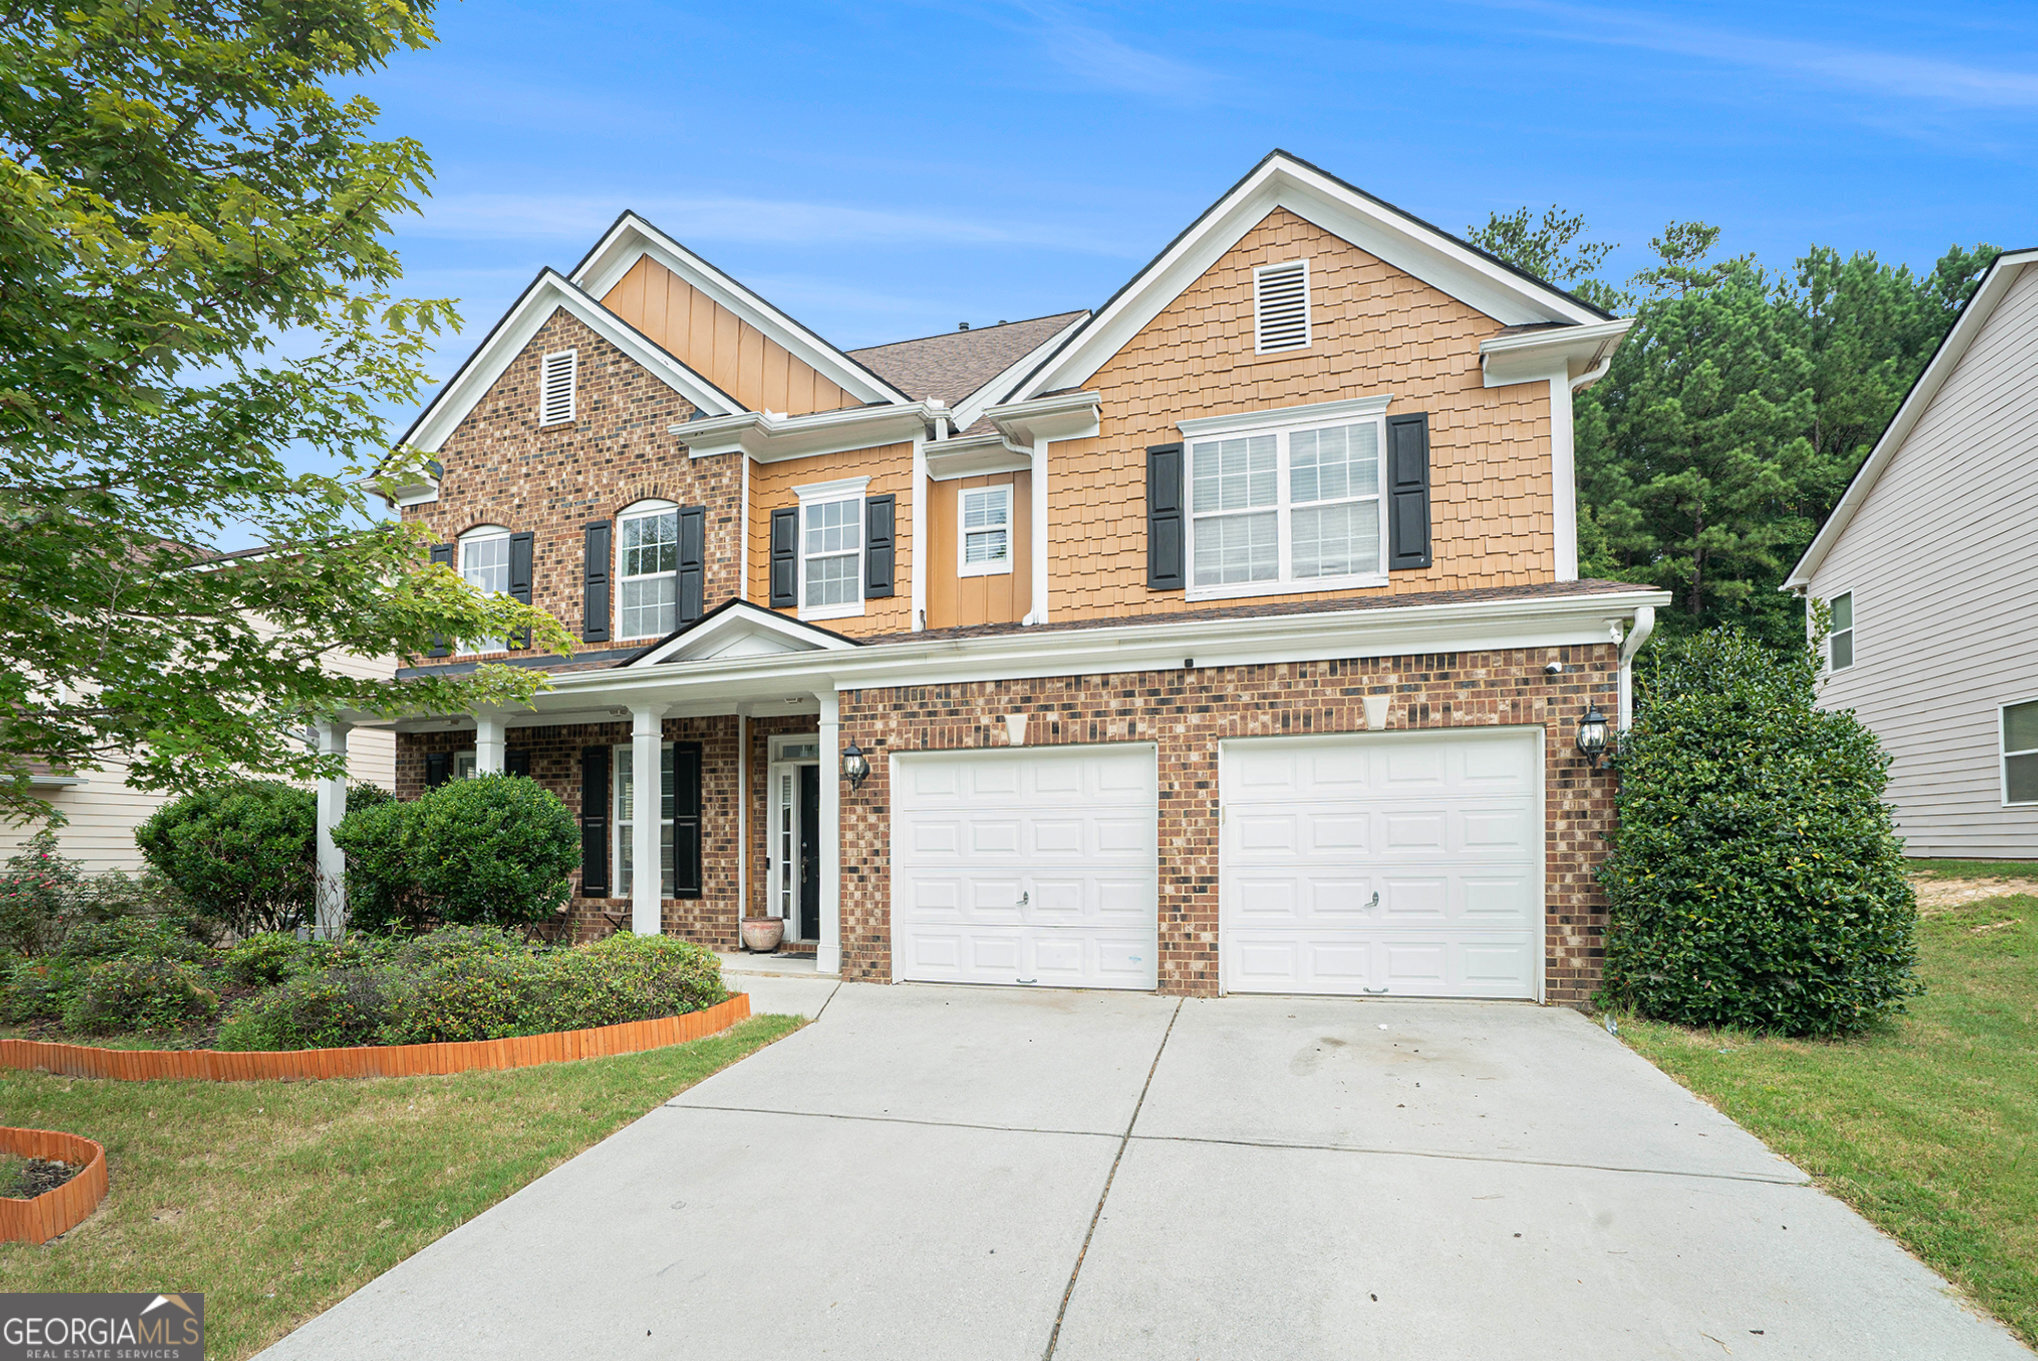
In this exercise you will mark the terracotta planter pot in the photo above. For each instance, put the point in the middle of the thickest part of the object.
(762, 934)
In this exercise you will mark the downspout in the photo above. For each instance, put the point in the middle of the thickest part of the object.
(1644, 625)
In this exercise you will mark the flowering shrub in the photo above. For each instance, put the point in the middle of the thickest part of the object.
(39, 892)
(469, 997)
(629, 978)
(326, 1010)
(127, 996)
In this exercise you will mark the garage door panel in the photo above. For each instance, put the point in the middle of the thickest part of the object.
(1041, 867)
(1445, 828)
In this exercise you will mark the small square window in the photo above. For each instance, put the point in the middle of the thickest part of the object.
(984, 544)
(1840, 642)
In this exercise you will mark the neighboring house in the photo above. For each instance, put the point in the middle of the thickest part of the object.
(1228, 638)
(102, 810)
(1929, 565)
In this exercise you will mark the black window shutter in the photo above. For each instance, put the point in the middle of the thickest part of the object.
(594, 822)
(438, 768)
(594, 609)
(442, 553)
(517, 761)
(520, 575)
(880, 552)
(1164, 517)
(693, 562)
(785, 561)
(1408, 491)
(686, 821)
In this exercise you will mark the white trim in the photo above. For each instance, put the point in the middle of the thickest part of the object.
(828, 956)
(1994, 286)
(812, 496)
(2003, 752)
(769, 437)
(971, 408)
(831, 491)
(645, 509)
(1203, 426)
(1853, 656)
(1039, 612)
(1581, 353)
(549, 293)
(917, 518)
(1563, 479)
(738, 617)
(1260, 272)
(990, 567)
(632, 238)
(974, 456)
(545, 366)
(1065, 415)
(1283, 509)
(1282, 181)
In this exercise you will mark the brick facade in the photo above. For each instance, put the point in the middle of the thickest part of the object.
(1186, 714)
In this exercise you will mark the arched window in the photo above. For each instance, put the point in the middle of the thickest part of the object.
(647, 566)
(485, 565)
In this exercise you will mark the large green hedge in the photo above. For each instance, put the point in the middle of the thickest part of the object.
(492, 850)
(1756, 878)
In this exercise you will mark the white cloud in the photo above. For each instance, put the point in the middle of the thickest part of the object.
(1100, 59)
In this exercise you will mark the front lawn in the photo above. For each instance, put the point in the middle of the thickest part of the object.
(277, 1199)
(1927, 1125)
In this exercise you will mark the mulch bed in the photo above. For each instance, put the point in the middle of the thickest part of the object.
(38, 1175)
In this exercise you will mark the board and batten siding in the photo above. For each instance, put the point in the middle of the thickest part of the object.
(1942, 560)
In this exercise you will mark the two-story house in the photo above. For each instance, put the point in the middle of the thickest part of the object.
(1228, 637)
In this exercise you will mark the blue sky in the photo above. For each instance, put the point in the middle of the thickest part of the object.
(888, 170)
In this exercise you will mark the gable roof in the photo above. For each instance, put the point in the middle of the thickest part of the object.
(738, 628)
(2003, 272)
(631, 238)
(551, 292)
(1508, 294)
(950, 366)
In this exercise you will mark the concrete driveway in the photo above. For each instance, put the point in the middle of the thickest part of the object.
(963, 1173)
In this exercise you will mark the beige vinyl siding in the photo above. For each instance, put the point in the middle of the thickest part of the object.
(1942, 559)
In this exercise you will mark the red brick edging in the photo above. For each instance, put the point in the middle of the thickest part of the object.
(43, 1217)
(390, 1060)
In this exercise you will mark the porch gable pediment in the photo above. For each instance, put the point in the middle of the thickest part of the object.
(735, 629)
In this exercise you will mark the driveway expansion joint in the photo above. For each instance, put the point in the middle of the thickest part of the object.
(1376, 1151)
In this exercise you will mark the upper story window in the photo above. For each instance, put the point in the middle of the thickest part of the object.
(1281, 307)
(558, 376)
(1840, 641)
(647, 566)
(1286, 509)
(831, 549)
(2020, 752)
(984, 546)
(485, 565)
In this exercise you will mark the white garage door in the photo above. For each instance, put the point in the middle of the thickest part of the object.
(1026, 866)
(1393, 865)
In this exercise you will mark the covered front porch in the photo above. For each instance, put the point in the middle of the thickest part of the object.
(747, 818)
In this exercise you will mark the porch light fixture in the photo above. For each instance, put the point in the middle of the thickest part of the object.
(1592, 736)
(855, 766)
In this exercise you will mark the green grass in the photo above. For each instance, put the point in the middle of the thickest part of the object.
(277, 1199)
(1928, 1125)
(1976, 869)
(12, 1170)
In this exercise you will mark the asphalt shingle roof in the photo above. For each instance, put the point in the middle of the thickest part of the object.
(952, 365)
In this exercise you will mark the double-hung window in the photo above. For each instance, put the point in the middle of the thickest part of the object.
(1840, 641)
(1279, 507)
(648, 563)
(831, 549)
(485, 565)
(984, 546)
(2020, 752)
(625, 816)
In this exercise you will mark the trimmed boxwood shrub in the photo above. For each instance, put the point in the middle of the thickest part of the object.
(492, 850)
(1756, 878)
(331, 1009)
(129, 996)
(631, 978)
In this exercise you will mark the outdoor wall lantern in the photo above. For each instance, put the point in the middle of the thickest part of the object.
(855, 766)
(1592, 736)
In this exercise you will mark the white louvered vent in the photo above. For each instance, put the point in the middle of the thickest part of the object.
(555, 387)
(1281, 307)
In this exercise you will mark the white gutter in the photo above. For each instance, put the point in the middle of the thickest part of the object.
(768, 436)
(1063, 415)
(1645, 624)
(1582, 350)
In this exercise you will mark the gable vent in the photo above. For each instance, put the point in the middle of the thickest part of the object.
(555, 387)
(1281, 307)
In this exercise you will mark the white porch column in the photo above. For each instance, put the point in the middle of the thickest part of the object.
(488, 743)
(647, 876)
(330, 902)
(828, 958)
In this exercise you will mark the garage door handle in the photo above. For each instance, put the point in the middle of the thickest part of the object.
(1026, 897)
(1373, 991)
(1376, 901)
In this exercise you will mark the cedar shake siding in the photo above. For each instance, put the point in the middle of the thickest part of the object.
(890, 470)
(1377, 331)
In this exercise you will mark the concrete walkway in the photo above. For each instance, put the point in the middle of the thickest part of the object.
(964, 1173)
